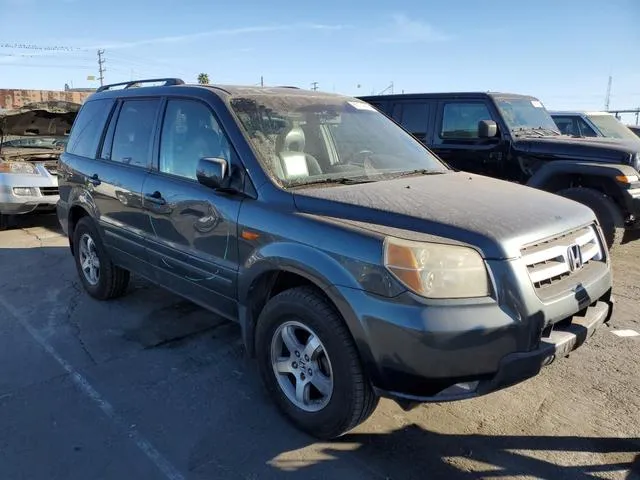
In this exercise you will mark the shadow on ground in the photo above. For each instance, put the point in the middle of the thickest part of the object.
(415, 452)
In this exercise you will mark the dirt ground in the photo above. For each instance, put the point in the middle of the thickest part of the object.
(152, 387)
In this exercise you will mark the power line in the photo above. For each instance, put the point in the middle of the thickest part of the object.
(101, 69)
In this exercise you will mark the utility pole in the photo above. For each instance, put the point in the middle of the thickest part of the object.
(608, 97)
(314, 86)
(261, 81)
(101, 69)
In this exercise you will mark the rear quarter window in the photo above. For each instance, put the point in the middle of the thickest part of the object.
(88, 126)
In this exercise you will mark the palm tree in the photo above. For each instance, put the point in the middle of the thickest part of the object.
(203, 78)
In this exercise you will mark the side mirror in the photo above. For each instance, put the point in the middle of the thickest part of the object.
(487, 129)
(212, 172)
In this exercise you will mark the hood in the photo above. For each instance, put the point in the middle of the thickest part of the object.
(494, 216)
(43, 118)
(592, 148)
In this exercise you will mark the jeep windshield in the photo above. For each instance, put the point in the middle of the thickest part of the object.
(311, 139)
(526, 116)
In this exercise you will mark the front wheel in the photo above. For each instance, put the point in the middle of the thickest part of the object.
(99, 276)
(607, 212)
(310, 365)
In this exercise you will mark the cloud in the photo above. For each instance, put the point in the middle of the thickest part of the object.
(405, 30)
(217, 33)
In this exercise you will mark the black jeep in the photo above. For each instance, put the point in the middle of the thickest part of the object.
(513, 137)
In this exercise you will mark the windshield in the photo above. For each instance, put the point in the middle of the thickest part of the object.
(526, 113)
(611, 127)
(306, 139)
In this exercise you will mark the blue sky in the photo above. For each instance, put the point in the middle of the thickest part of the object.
(560, 51)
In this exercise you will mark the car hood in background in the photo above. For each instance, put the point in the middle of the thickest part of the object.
(597, 148)
(43, 118)
(495, 216)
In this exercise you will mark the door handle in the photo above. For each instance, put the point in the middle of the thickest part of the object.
(155, 197)
(94, 180)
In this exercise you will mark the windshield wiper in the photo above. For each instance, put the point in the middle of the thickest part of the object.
(420, 171)
(340, 180)
(540, 131)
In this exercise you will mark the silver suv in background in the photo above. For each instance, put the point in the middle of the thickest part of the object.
(593, 124)
(31, 141)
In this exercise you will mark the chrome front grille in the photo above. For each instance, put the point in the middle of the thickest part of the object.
(557, 258)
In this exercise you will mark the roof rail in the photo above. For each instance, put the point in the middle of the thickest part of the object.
(136, 83)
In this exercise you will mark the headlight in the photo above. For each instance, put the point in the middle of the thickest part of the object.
(25, 191)
(17, 167)
(435, 270)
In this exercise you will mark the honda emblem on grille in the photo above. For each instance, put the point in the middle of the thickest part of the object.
(574, 256)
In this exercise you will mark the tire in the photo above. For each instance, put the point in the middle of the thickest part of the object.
(608, 215)
(351, 400)
(111, 281)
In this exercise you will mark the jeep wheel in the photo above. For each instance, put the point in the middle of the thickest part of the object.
(100, 278)
(608, 215)
(310, 365)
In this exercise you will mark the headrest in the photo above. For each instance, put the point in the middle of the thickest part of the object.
(292, 141)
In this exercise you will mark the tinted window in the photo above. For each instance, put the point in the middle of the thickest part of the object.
(565, 125)
(134, 132)
(87, 128)
(413, 117)
(460, 120)
(585, 129)
(189, 133)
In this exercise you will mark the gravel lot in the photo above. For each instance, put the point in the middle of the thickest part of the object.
(153, 387)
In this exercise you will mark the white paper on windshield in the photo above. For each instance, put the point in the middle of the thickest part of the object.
(296, 166)
(362, 106)
(536, 103)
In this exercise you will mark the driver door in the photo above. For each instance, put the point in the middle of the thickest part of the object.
(457, 142)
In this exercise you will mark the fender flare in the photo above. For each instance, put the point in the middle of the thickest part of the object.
(560, 167)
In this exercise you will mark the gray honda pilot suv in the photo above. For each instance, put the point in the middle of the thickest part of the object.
(358, 265)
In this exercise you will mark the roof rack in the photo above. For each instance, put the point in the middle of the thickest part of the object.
(136, 83)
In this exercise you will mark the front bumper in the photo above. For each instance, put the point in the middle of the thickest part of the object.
(420, 350)
(44, 186)
(519, 366)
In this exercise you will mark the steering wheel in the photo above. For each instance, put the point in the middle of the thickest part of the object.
(359, 158)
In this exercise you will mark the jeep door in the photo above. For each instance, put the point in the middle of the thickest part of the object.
(457, 141)
(193, 245)
(113, 181)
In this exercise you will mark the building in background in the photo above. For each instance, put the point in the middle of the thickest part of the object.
(15, 98)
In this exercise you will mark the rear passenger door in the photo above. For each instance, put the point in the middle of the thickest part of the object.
(457, 142)
(193, 245)
(117, 177)
(414, 117)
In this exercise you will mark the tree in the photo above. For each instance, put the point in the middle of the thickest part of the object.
(203, 78)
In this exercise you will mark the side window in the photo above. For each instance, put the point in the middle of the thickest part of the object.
(189, 133)
(460, 120)
(585, 129)
(413, 117)
(87, 128)
(565, 125)
(133, 136)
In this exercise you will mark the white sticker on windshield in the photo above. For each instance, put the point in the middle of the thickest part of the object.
(362, 106)
(536, 103)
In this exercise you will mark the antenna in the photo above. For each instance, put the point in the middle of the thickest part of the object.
(608, 97)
